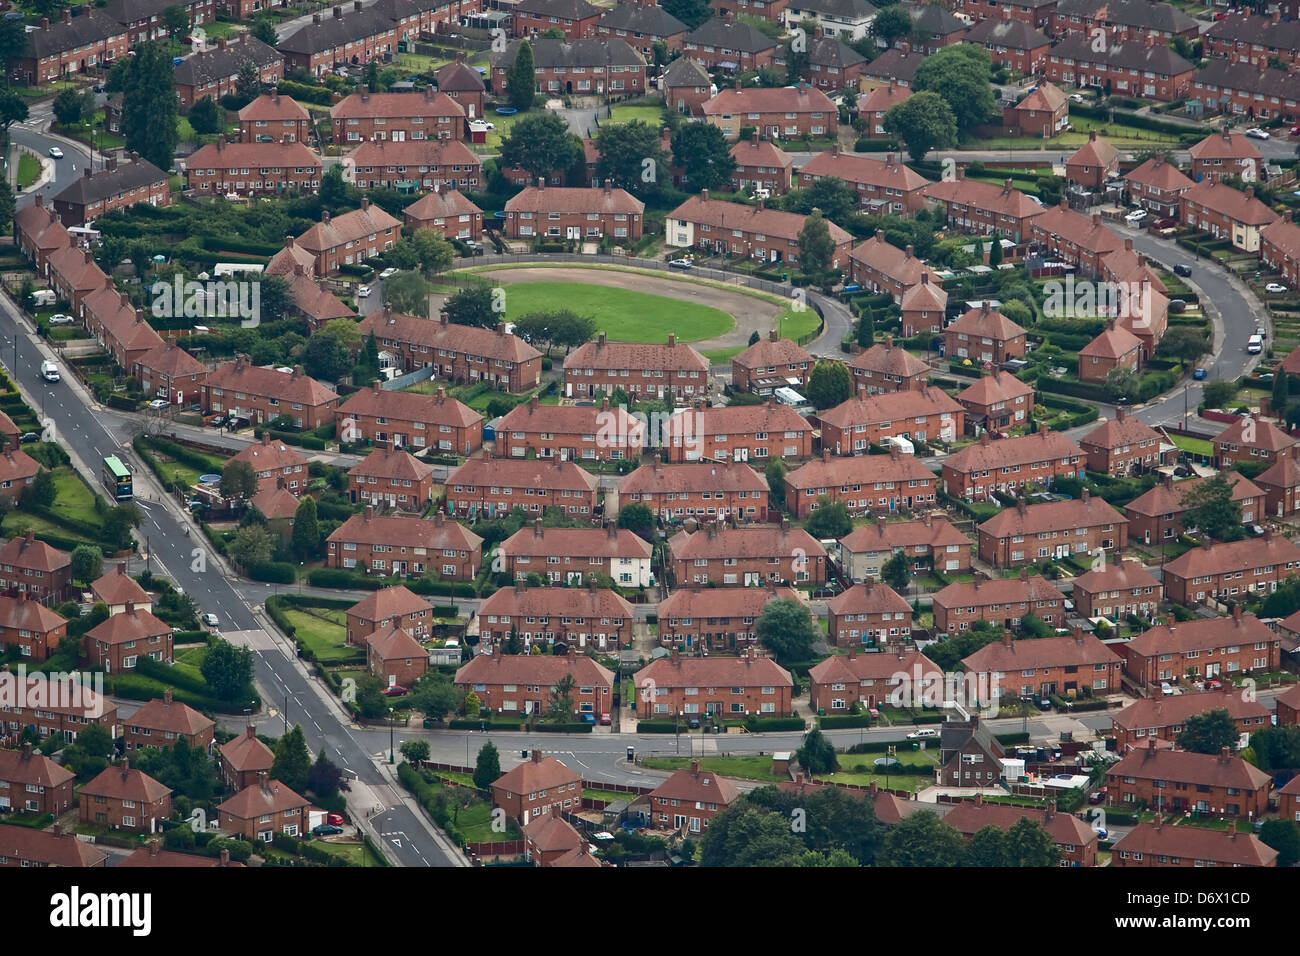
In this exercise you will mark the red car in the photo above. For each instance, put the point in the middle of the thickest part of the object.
(605, 720)
(334, 818)
(397, 690)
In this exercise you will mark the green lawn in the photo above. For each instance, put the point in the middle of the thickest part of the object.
(502, 125)
(1196, 446)
(742, 768)
(722, 356)
(358, 854)
(653, 115)
(795, 324)
(217, 29)
(29, 169)
(323, 632)
(18, 523)
(73, 499)
(624, 315)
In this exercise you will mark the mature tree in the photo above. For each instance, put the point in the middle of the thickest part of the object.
(632, 157)
(1276, 748)
(371, 702)
(205, 116)
(238, 480)
(367, 367)
(1211, 509)
(41, 492)
(473, 305)
(264, 30)
(638, 519)
(921, 839)
(1209, 733)
(949, 654)
(703, 153)
(13, 109)
(1281, 392)
(796, 55)
(373, 82)
(1121, 383)
(432, 251)
(541, 145)
(521, 78)
(69, 106)
(7, 209)
(995, 250)
(561, 327)
(924, 122)
(754, 337)
(960, 74)
(866, 334)
(306, 529)
(895, 572)
(1182, 344)
(408, 293)
(248, 83)
(1218, 392)
(87, 563)
(434, 695)
(837, 200)
(774, 472)
(326, 358)
(149, 105)
(786, 628)
(119, 523)
(693, 13)
(487, 766)
(986, 848)
(13, 46)
(560, 706)
(816, 248)
(890, 24)
(334, 192)
(323, 777)
(253, 545)
(1281, 835)
(829, 384)
(817, 755)
(415, 751)
(745, 835)
(1028, 844)
(292, 760)
(275, 298)
(227, 669)
(176, 20)
(830, 519)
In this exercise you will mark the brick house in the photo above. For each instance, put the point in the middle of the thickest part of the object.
(1164, 718)
(686, 86)
(397, 117)
(1226, 569)
(705, 491)
(746, 556)
(1244, 92)
(643, 23)
(163, 721)
(601, 366)
(263, 809)
(865, 483)
(773, 10)
(729, 45)
(390, 545)
(873, 106)
(247, 169)
(1156, 845)
(395, 657)
(1199, 649)
(550, 839)
(392, 478)
(1288, 708)
(692, 620)
(144, 20)
(94, 194)
(496, 486)
(1157, 515)
(570, 554)
(458, 353)
(1123, 446)
(1037, 13)
(272, 460)
(38, 233)
(1123, 20)
(1004, 601)
(1015, 45)
(25, 847)
(1226, 213)
(349, 239)
(985, 208)
(925, 413)
(841, 680)
(1248, 439)
(1131, 68)
(318, 47)
(389, 607)
(1157, 187)
(770, 364)
(1073, 666)
(121, 798)
(929, 542)
(168, 371)
(572, 618)
(761, 164)
(1116, 590)
(1071, 236)
(832, 64)
(848, 20)
(569, 432)
(576, 67)
(884, 187)
(1044, 112)
(74, 275)
(870, 614)
(533, 787)
(17, 471)
(413, 165)
(969, 754)
(271, 117)
(33, 783)
(33, 567)
(1007, 465)
(1092, 163)
(115, 588)
(997, 401)
(1029, 534)
(504, 682)
(118, 642)
(924, 307)
(1223, 155)
(1178, 781)
(886, 368)
(64, 707)
(462, 83)
(30, 626)
(896, 65)
(575, 18)
(1116, 347)
(730, 687)
(214, 72)
(738, 433)
(390, 418)
(880, 267)
(1279, 249)
(448, 212)
(574, 213)
(689, 799)
(1281, 485)
(1075, 840)
(984, 335)
(749, 232)
(1241, 37)
(73, 45)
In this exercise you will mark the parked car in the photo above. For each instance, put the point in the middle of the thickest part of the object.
(923, 734)
(28, 437)
(1261, 331)
(1199, 375)
(388, 273)
(218, 422)
(363, 291)
(587, 718)
(1275, 287)
(158, 404)
(1097, 796)
(1177, 305)
(60, 319)
(326, 829)
(1182, 270)
(1254, 345)
(1136, 216)
(1166, 689)
(397, 690)
(335, 819)
(1076, 98)
(56, 152)
(680, 263)
(605, 720)
(1256, 133)
(210, 619)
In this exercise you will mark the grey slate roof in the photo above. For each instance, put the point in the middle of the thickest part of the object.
(222, 62)
(108, 182)
(333, 31)
(648, 21)
(90, 27)
(592, 51)
(730, 35)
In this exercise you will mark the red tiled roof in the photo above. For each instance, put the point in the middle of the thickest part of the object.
(259, 799)
(288, 387)
(169, 715)
(272, 107)
(692, 603)
(118, 587)
(148, 856)
(1010, 657)
(1124, 429)
(721, 214)
(981, 593)
(348, 227)
(274, 501)
(776, 99)
(987, 322)
(969, 817)
(888, 173)
(435, 334)
(29, 552)
(246, 753)
(133, 625)
(1115, 342)
(270, 455)
(437, 534)
(1046, 98)
(388, 463)
(396, 601)
(441, 204)
(1090, 236)
(883, 535)
(858, 469)
(395, 106)
(1155, 173)
(1095, 152)
(532, 416)
(1116, 576)
(1002, 200)
(888, 407)
(854, 667)
(552, 475)
(748, 670)
(925, 296)
(1225, 145)
(25, 767)
(1150, 712)
(1167, 498)
(550, 833)
(874, 598)
(1271, 550)
(252, 155)
(890, 359)
(1199, 635)
(171, 360)
(1267, 435)
(587, 602)
(125, 783)
(771, 352)
(882, 98)
(990, 389)
(538, 773)
(393, 643)
(761, 152)
(543, 670)
(697, 786)
(549, 199)
(49, 849)
(433, 410)
(749, 541)
(1026, 519)
(411, 152)
(1026, 449)
(736, 420)
(1183, 766)
(656, 478)
(1196, 843)
(1284, 474)
(898, 264)
(577, 542)
(1233, 204)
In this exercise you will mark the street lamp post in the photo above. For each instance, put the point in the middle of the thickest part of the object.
(286, 711)
(392, 720)
(677, 730)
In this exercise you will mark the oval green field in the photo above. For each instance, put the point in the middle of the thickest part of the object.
(623, 314)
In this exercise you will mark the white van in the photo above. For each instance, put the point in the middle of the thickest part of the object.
(44, 297)
(50, 371)
(1255, 344)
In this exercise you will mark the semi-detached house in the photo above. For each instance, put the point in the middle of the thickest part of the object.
(749, 232)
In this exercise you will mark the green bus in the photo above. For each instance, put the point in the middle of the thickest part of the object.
(117, 478)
